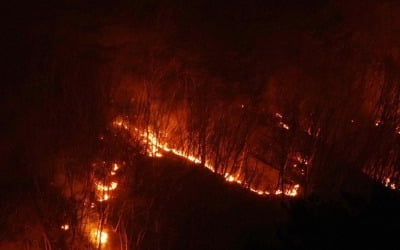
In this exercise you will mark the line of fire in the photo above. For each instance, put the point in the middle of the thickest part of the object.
(168, 125)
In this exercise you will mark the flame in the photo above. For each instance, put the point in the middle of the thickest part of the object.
(230, 178)
(65, 227)
(99, 237)
(289, 192)
(105, 197)
(115, 167)
(104, 190)
(293, 191)
(101, 187)
(155, 147)
(387, 181)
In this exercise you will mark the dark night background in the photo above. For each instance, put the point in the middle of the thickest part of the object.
(214, 76)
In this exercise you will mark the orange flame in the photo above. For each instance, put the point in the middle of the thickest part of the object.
(156, 147)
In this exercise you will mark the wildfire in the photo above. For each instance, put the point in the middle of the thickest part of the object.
(155, 147)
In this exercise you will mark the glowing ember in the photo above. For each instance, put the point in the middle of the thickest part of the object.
(284, 125)
(105, 197)
(65, 227)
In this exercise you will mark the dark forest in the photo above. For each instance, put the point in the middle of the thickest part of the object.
(156, 125)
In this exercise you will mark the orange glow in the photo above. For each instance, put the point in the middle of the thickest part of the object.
(101, 187)
(293, 191)
(284, 125)
(115, 167)
(230, 178)
(104, 190)
(119, 122)
(387, 181)
(99, 237)
(105, 197)
(65, 227)
(156, 147)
